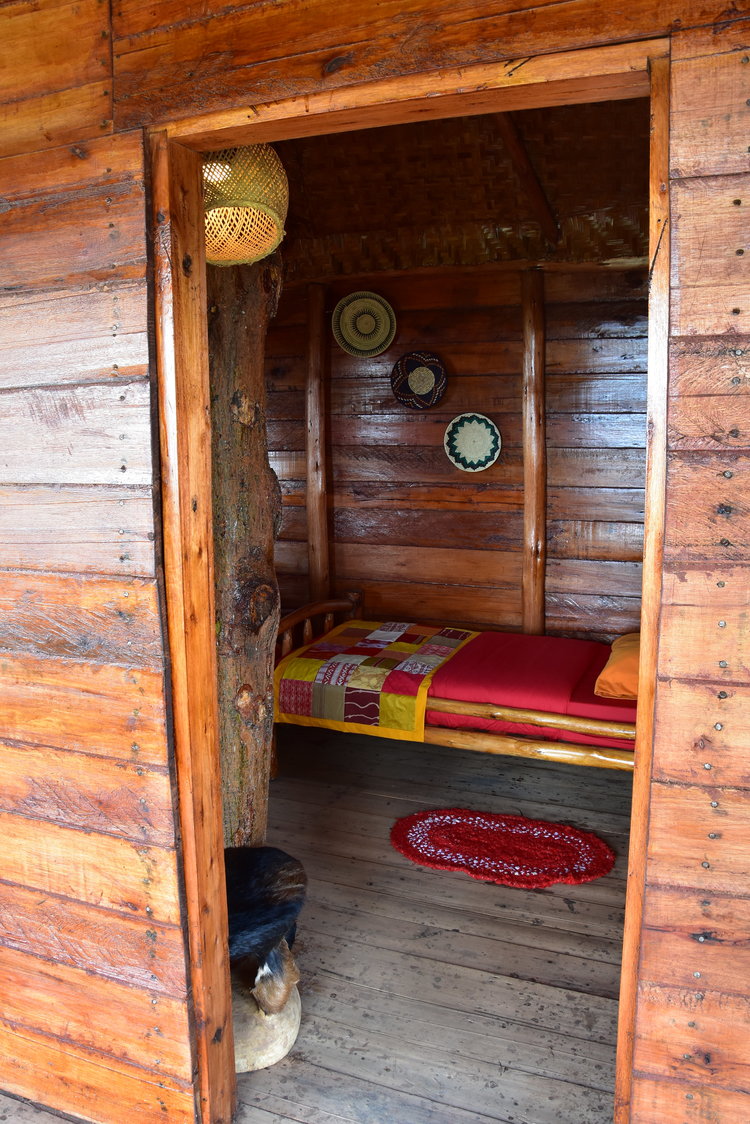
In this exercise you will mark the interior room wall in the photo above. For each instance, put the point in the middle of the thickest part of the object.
(418, 535)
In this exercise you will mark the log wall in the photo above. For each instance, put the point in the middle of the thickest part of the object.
(418, 535)
(693, 1015)
(91, 892)
(93, 964)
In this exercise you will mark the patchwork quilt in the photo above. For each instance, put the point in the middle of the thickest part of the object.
(366, 676)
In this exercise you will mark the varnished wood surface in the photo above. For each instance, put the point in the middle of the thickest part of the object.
(403, 517)
(430, 997)
(185, 437)
(534, 415)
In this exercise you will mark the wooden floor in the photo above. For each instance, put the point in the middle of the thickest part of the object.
(428, 996)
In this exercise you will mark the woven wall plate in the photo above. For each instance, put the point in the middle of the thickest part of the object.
(472, 442)
(364, 324)
(419, 380)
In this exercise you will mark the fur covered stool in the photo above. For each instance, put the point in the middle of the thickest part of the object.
(265, 892)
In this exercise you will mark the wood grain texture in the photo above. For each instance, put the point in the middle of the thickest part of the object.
(315, 445)
(52, 45)
(457, 36)
(534, 454)
(78, 1082)
(707, 513)
(140, 953)
(79, 529)
(185, 439)
(76, 616)
(61, 702)
(63, 117)
(106, 1017)
(654, 1098)
(710, 734)
(710, 117)
(686, 932)
(100, 870)
(89, 434)
(97, 192)
(130, 801)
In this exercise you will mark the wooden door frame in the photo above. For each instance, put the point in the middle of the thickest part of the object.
(590, 75)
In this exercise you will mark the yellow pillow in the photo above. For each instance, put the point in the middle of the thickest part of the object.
(619, 677)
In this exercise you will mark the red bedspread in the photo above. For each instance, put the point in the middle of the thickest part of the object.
(547, 673)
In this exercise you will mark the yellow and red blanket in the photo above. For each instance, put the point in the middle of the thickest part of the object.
(365, 676)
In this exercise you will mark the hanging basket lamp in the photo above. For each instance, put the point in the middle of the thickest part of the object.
(246, 197)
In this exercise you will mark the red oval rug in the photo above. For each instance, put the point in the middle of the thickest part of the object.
(510, 850)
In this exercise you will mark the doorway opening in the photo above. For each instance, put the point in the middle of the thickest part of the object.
(352, 560)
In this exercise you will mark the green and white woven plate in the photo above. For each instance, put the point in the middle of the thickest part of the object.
(472, 442)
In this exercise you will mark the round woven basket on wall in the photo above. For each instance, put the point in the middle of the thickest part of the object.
(246, 197)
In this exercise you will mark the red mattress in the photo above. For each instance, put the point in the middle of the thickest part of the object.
(549, 673)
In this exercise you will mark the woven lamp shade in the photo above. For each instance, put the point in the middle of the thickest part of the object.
(246, 197)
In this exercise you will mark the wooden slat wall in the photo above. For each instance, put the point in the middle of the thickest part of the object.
(96, 1019)
(693, 1019)
(418, 535)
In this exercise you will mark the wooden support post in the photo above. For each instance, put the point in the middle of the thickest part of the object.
(534, 454)
(185, 437)
(247, 514)
(315, 417)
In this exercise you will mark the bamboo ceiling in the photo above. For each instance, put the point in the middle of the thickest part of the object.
(451, 192)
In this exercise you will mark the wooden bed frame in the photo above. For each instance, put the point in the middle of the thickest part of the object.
(298, 628)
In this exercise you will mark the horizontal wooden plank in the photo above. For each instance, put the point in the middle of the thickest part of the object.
(716, 422)
(708, 739)
(578, 538)
(439, 604)
(83, 529)
(410, 528)
(61, 703)
(290, 557)
(698, 837)
(710, 272)
(428, 465)
(595, 393)
(709, 365)
(498, 394)
(285, 366)
(97, 192)
(711, 585)
(52, 45)
(67, 116)
(692, 1035)
(96, 433)
(133, 801)
(472, 495)
(710, 117)
(611, 431)
(100, 870)
(460, 34)
(581, 575)
(140, 953)
(693, 1101)
(687, 932)
(613, 320)
(595, 468)
(355, 562)
(598, 616)
(70, 1079)
(703, 643)
(606, 505)
(81, 617)
(101, 1015)
(707, 511)
(32, 319)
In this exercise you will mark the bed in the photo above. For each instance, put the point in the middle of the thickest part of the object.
(495, 692)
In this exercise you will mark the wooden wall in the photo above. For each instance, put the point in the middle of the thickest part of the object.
(93, 969)
(693, 1014)
(417, 535)
(83, 663)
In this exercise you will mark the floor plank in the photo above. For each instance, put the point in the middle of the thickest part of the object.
(429, 997)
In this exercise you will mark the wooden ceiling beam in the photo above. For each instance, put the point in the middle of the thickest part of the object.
(528, 179)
